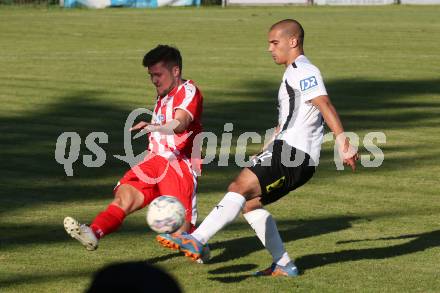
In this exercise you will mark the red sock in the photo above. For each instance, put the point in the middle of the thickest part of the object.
(107, 221)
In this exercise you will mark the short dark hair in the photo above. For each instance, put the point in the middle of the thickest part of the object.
(292, 28)
(163, 53)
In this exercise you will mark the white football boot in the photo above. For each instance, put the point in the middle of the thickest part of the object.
(83, 233)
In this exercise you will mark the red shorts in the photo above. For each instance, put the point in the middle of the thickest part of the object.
(156, 176)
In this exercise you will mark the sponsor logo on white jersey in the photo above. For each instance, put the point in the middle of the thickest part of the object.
(308, 83)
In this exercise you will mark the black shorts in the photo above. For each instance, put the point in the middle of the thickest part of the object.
(281, 169)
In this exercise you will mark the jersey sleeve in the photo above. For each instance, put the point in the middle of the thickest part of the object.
(311, 84)
(190, 101)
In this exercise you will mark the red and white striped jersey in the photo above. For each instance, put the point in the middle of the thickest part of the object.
(188, 98)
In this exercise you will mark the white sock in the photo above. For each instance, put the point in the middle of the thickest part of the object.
(225, 212)
(266, 229)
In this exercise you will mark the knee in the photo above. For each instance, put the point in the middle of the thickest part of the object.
(127, 198)
(244, 188)
(121, 201)
(119, 198)
(246, 184)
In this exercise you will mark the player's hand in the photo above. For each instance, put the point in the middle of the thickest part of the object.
(145, 127)
(140, 125)
(349, 156)
(352, 161)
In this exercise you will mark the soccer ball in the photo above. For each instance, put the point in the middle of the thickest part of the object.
(165, 214)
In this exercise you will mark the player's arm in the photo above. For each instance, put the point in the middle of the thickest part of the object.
(182, 120)
(179, 124)
(348, 153)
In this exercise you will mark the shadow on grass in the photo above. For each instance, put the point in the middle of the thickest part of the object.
(233, 269)
(420, 242)
(299, 229)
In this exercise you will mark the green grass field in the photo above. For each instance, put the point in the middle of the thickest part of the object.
(377, 230)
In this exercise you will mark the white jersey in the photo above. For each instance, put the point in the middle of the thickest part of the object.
(301, 123)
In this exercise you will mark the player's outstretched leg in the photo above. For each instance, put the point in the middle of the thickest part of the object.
(83, 233)
(127, 200)
(265, 227)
